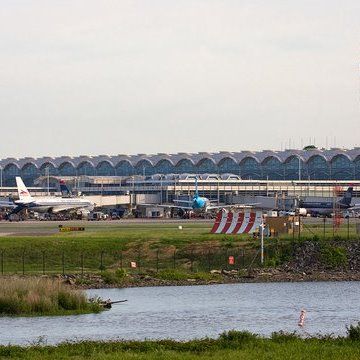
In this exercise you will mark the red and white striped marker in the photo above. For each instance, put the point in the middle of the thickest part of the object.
(302, 318)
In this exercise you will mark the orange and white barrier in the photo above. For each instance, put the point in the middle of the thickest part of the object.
(237, 222)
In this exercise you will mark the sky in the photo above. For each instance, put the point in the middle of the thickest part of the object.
(86, 77)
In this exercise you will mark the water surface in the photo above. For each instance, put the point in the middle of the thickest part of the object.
(188, 312)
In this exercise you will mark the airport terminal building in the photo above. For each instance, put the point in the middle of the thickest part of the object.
(309, 165)
(230, 177)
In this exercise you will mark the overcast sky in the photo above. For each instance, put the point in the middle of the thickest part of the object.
(86, 77)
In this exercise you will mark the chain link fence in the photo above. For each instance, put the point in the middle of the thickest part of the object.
(189, 258)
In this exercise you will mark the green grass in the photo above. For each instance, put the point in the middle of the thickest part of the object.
(153, 246)
(103, 249)
(230, 345)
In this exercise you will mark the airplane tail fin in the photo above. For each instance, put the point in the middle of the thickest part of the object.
(23, 192)
(65, 192)
(346, 199)
(196, 187)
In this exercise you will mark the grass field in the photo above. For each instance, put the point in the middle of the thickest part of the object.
(231, 345)
(153, 246)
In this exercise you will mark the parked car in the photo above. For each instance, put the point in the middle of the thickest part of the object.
(97, 215)
(115, 216)
(351, 214)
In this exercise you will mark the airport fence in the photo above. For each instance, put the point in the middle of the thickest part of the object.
(190, 259)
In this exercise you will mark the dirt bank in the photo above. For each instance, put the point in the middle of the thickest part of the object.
(310, 261)
(223, 277)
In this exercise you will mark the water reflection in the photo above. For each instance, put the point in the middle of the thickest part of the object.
(188, 312)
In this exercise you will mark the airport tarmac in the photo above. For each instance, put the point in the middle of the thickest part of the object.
(46, 228)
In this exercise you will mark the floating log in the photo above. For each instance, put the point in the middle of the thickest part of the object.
(107, 304)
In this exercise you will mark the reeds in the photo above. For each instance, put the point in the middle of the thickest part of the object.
(40, 296)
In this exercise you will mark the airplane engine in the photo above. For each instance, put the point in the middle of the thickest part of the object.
(181, 213)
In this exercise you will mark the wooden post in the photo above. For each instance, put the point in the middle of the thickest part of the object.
(23, 262)
(43, 259)
(157, 260)
(63, 262)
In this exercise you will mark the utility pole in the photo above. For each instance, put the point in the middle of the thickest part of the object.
(262, 226)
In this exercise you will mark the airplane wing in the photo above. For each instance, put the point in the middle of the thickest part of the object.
(182, 204)
(169, 206)
(216, 201)
(58, 209)
(183, 207)
(354, 207)
(233, 206)
(7, 204)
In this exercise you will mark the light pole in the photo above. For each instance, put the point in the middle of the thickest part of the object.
(48, 180)
(1, 177)
(133, 191)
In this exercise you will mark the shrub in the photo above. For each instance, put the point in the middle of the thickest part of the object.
(353, 332)
(68, 300)
(39, 296)
(273, 262)
(114, 278)
(110, 278)
(283, 337)
(121, 273)
(10, 305)
(316, 238)
(334, 256)
(237, 336)
(170, 274)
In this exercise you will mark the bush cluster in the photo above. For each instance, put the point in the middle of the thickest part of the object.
(40, 296)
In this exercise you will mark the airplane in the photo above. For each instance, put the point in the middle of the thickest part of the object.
(49, 204)
(199, 204)
(326, 208)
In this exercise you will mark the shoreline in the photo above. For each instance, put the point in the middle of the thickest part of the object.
(225, 277)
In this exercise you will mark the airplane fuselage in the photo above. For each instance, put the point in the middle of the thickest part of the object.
(56, 204)
(200, 203)
(328, 207)
(322, 208)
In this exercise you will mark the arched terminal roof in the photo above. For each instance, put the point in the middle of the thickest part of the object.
(197, 160)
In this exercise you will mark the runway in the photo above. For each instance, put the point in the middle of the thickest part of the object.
(46, 228)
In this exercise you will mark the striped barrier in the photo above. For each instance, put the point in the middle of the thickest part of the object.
(236, 222)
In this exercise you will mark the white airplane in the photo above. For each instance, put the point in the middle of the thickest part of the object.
(199, 204)
(49, 204)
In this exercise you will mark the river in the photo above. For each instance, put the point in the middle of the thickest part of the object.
(188, 312)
